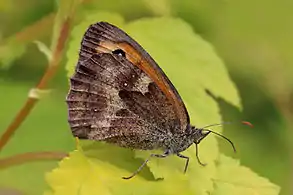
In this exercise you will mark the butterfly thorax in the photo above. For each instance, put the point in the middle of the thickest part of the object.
(181, 140)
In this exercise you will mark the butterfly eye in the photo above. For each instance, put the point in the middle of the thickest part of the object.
(119, 52)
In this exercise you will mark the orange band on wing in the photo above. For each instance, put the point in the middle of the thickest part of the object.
(135, 58)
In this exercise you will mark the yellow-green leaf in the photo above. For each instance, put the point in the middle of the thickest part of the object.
(233, 178)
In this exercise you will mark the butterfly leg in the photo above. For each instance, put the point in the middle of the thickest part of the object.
(197, 156)
(187, 161)
(145, 162)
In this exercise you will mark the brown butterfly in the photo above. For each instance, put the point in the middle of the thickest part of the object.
(120, 95)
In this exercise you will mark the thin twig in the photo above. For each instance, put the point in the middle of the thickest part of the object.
(32, 100)
(30, 156)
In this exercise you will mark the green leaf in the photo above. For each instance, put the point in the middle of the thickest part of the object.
(9, 51)
(47, 193)
(159, 7)
(6, 6)
(233, 178)
(130, 10)
(95, 176)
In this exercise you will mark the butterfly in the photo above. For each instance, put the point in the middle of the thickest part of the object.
(119, 94)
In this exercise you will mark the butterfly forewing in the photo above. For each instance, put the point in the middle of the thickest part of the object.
(120, 98)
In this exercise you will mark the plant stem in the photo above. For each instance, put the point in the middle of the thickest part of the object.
(32, 100)
(30, 156)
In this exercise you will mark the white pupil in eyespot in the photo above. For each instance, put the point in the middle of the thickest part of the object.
(119, 52)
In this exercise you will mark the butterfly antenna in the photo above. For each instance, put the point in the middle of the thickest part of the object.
(228, 122)
(221, 124)
(222, 137)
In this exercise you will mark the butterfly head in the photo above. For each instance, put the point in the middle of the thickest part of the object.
(200, 133)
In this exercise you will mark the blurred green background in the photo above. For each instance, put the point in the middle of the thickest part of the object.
(253, 38)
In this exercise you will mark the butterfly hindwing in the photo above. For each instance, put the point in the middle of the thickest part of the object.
(118, 93)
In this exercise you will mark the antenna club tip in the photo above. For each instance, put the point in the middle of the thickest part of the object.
(247, 123)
